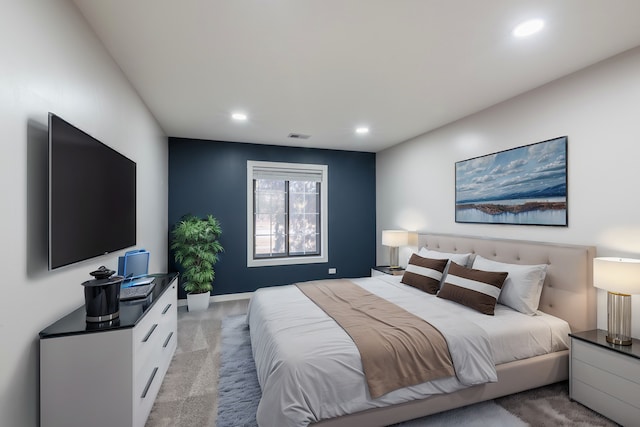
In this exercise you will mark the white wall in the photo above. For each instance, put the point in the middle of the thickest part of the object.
(51, 61)
(597, 108)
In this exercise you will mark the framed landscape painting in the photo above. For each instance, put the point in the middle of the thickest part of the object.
(524, 185)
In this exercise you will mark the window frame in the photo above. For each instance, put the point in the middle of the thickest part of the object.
(323, 257)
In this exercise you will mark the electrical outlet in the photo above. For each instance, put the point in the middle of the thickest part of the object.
(332, 271)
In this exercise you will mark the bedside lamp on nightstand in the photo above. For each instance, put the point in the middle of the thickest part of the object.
(394, 239)
(621, 278)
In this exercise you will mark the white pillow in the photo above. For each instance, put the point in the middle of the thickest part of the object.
(460, 259)
(523, 286)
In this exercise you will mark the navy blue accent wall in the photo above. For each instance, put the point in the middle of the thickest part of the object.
(210, 177)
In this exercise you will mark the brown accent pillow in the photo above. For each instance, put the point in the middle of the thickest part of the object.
(476, 289)
(424, 273)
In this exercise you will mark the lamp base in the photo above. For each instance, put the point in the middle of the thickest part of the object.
(617, 340)
(618, 318)
(393, 258)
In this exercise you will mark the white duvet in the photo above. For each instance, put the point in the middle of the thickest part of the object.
(310, 369)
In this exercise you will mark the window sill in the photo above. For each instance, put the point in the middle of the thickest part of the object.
(268, 262)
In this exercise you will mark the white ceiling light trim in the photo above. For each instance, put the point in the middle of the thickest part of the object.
(528, 28)
(239, 117)
(361, 130)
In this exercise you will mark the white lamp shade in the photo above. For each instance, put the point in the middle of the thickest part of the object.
(395, 238)
(620, 275)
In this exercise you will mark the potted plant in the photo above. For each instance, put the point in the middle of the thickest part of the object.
(196, 247)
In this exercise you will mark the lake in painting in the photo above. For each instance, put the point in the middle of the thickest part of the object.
(524, 185)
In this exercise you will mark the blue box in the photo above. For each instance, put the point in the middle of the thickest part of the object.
(134, 264)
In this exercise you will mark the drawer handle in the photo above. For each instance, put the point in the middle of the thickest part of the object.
(146, 388)
(166, 308)
(153, 328)
(166, 342)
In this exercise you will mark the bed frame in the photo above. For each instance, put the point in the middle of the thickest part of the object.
(568, 293)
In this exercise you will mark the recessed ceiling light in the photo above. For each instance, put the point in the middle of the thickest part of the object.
(239, 116)
(528, 28)
(362, 130)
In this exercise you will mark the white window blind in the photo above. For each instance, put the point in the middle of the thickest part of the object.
(287, 174)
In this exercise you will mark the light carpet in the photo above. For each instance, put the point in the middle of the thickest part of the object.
(239, 394)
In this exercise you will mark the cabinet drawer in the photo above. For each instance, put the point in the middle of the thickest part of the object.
(607, 360)
(154, 314)
(599, 401)
(153, 364)
(169, 314)
(157, 350)
(605, 381)
(169, 333)
(146, 347)
(151, 334)
(146, 394)
(155, 339)
(613, 385)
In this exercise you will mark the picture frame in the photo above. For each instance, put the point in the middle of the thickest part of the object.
(525, 185)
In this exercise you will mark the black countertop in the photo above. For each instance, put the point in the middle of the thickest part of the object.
(131, 312)
(599, 338)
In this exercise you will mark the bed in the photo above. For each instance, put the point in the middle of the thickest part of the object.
(283, 321)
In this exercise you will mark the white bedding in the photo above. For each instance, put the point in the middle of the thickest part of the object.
(309, 369)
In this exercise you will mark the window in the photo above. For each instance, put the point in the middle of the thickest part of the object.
(286, 213)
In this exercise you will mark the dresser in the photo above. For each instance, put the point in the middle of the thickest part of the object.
(606, 377)
(108, 374)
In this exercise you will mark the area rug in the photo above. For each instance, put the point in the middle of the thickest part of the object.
(238, 388)
(239, 394)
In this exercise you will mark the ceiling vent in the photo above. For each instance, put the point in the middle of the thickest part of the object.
(299, 136)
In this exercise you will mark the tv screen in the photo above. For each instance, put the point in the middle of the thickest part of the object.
(92, 196)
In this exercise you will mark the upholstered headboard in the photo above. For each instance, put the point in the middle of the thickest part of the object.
(568, 291)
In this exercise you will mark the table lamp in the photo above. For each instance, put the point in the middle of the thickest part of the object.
(620, 277)
(394, 239)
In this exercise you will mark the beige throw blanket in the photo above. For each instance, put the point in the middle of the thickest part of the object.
(397, 348)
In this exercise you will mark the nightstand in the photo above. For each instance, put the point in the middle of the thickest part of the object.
(605, 377)
(385, 269)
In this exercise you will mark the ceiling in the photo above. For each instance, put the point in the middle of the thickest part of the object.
(324, 67)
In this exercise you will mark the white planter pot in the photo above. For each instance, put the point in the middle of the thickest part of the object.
(198, 302)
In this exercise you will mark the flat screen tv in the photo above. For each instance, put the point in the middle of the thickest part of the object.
(92, 196)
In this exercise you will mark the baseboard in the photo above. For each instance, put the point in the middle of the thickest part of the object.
(221, 298)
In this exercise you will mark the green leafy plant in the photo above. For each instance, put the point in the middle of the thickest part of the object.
(196, 248)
